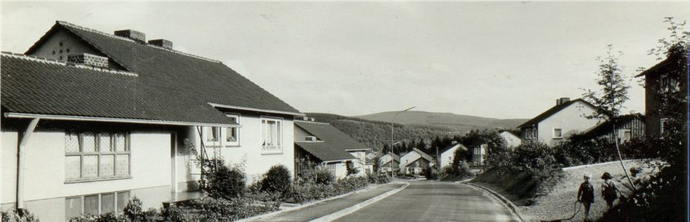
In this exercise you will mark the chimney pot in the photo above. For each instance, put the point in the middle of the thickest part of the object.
(132, 34)
(167, 44)
(562, 100)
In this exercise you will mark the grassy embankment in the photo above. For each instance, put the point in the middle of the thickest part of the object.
(556, 200)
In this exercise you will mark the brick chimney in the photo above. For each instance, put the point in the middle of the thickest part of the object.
(167, 44)
(562, 100)
(132, 34)
(89, 59)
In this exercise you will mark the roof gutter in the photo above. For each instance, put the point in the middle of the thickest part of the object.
(256, 110)
(114, 120)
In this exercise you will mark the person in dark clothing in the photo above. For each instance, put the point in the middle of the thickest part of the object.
(585, 194)
(608, 189)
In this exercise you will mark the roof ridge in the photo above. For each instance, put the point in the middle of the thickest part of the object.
(132, 41)
(67, 64)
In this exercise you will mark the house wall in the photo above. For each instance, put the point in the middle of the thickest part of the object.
(360, 162)
(45, 167)
(478, 154)
(448, 155)
(570, 120)
(409, 158)
(249, 152)
(511, 140)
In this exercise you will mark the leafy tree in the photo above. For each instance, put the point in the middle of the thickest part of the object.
(608, 101)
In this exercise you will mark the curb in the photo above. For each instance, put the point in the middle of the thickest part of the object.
(262, 216)
(358, 206)
(514, 209)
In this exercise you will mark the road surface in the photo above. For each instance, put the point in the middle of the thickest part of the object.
(434, 201)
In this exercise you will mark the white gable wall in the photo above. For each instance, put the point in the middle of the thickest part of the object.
(448, 155)
(570, 120)
(409, 158)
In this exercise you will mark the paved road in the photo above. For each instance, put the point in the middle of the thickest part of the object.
(434, 201)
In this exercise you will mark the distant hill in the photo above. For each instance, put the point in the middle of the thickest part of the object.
(462, 123)
(376, 133)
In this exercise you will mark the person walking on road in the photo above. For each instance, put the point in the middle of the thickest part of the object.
(585, 194)
(609, 191)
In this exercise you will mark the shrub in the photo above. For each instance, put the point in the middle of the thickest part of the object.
(380, 178)
(221, 181)
(134, 212)
(12, 216)
(276, 180)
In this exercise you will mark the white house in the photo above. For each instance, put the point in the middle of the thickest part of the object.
(415, 161)
(510, 139)
(90, 120)
(479, 154)
(447, 154)
(324, 144)
(553, 126)
(388, 162)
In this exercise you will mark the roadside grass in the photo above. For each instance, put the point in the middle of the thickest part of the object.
(559, 202)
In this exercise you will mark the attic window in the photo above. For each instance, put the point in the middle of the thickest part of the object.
(53, 52)
(557, 133)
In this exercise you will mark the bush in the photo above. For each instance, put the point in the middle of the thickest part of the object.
(134, 212)
(311, 190)
(276, 180)
(221, 181)
(12, 216)
(380, 178)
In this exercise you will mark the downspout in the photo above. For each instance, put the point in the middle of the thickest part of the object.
(21, 163)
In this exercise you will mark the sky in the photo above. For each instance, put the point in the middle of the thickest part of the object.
(489, 59)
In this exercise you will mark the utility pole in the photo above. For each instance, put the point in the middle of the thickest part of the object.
(391, 151)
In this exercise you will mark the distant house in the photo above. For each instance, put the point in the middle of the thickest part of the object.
(659, 82)
(510, 138)
(389, 162)
(415, 161)
(324, 144)
(90, 120)
(554, 125)
(628, 127)
(370, 157)
(447, 154)
(479, 154)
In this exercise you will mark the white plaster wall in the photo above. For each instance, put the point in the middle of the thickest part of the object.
(447, 157)
(570, 119)
(250, 153)
(409, 158)
(9, 166)
(511, 140)
(360, 162)
(45, 166)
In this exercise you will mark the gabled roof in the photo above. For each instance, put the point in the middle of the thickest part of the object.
(38, 86)
(324, 152)
(170, 85)
(422, 154)
(331, 135)
(395, 156)
(459, 145)
(550, 112)
(654, 69)
(606, 127)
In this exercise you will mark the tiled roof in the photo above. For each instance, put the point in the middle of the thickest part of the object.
(459, 145)
(423, 154)
(170, 85)
(331, 135)
(603, 128)
(38, 86)
(324, 152)
(549, 112)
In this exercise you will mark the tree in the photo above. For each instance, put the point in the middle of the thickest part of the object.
(609, 99)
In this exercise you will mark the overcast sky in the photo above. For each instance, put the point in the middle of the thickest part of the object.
(497, 59)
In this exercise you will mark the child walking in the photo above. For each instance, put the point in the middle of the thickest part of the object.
(609, 191)
(585, 194)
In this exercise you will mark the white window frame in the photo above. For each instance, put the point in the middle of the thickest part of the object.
(272, 148)
(554, 133)
(81, 154)
(206, 133)
(100, 208)
(662, 124)
(226, 131)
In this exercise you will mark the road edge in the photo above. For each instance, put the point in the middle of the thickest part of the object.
(270, 214)
(513, 208)
(356, 207)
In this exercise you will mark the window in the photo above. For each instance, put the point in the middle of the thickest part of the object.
(662, 125)
(557, 133)
(271, 130)
(624, 135)
(96, 156)
(95, 204)
(668, 84)
(232, 134)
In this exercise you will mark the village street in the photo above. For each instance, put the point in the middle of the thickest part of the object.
(420, 201)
